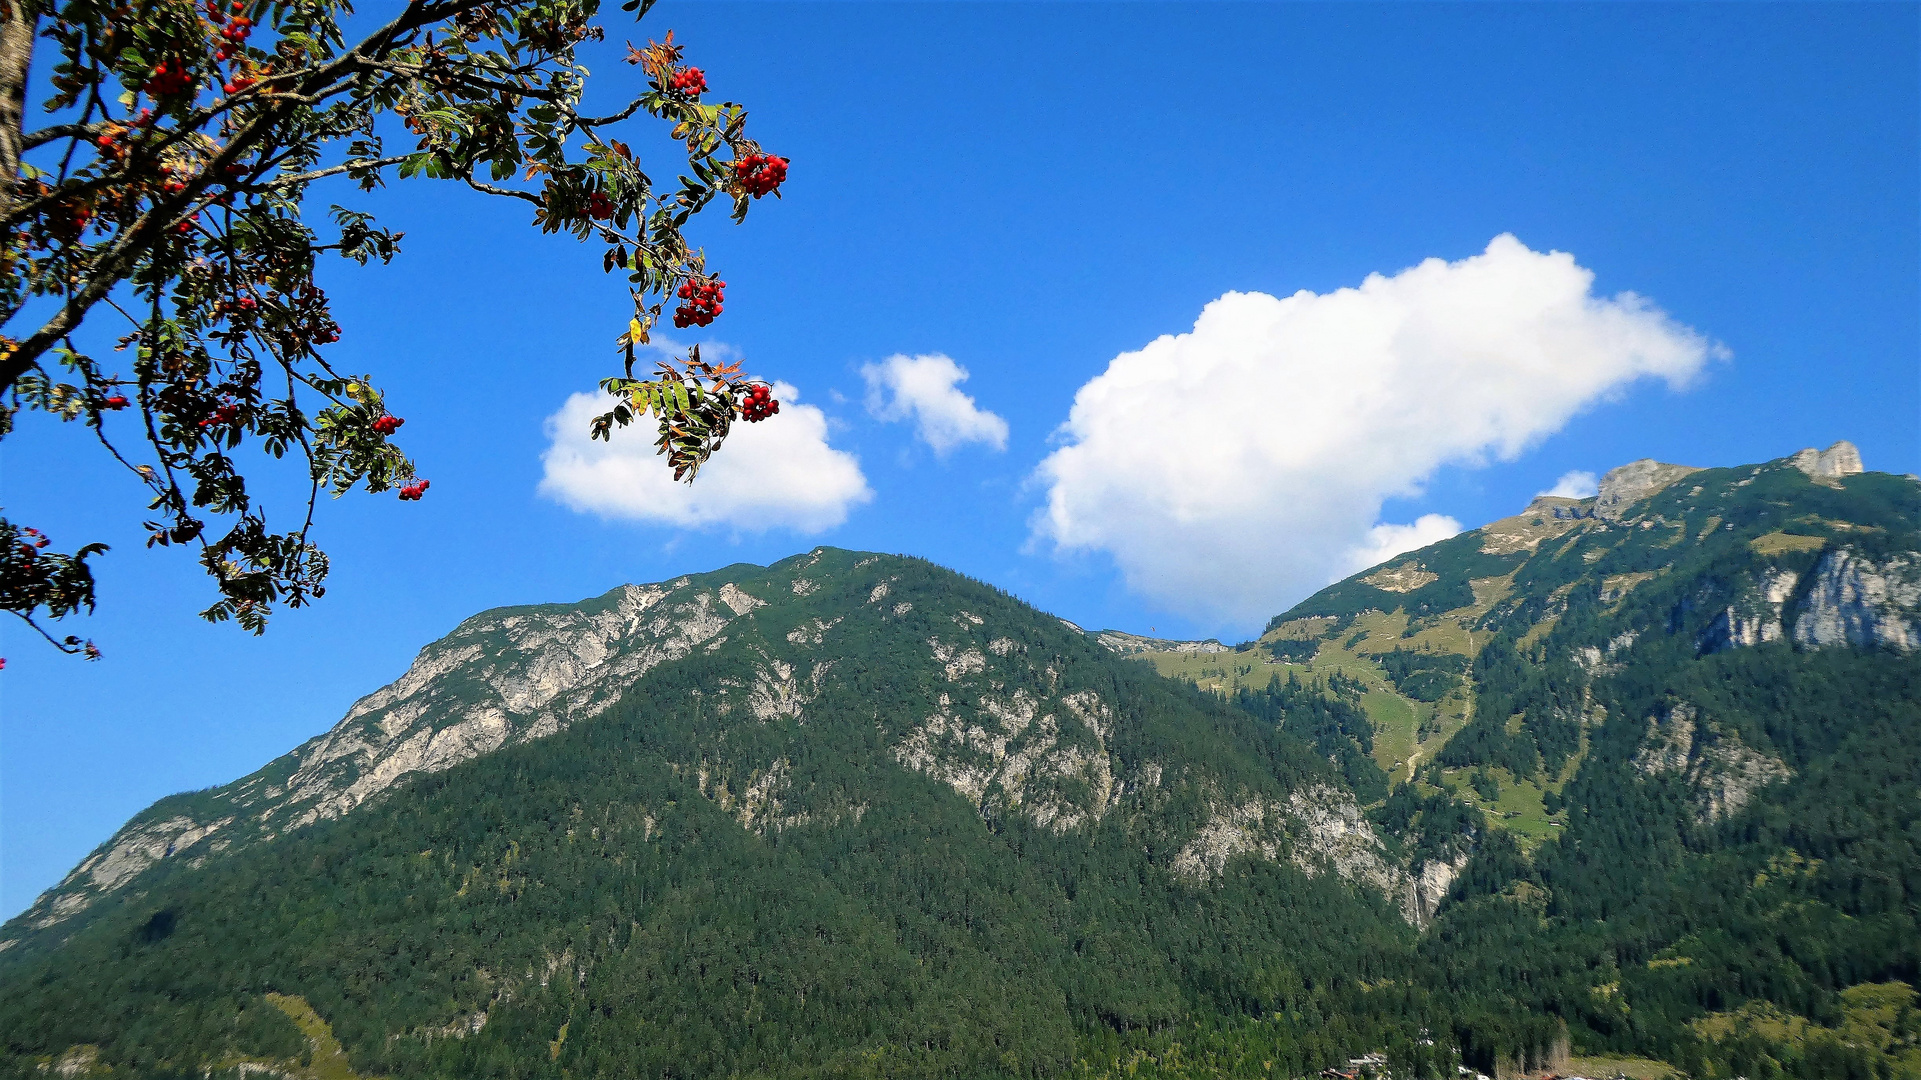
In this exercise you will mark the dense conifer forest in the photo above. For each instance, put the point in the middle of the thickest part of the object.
(958, 838)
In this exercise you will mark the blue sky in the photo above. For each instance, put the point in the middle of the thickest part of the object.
(1034, 191)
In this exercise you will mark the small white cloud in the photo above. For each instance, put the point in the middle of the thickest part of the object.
(1233, 469)
(777, 474)
(925, 388)
(1386, 541)
(1574, 485)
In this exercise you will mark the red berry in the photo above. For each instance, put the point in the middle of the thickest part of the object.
(689, 81)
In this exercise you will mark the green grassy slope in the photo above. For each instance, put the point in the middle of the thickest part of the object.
(1640, 772)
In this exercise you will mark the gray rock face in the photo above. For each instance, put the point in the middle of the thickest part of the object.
(1723, 771)
(1853, 601)
(1624, 486)
(1123, 643)
(1318, 829)
(500, 678)
(1756, 616)
(1858, 601)
(1428, 886)
(1841, 459)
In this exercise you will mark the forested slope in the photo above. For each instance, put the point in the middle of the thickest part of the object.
(1637, 775)
(884, 821)
(1695, 726)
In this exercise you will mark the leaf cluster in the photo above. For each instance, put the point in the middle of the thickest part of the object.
(168, 189)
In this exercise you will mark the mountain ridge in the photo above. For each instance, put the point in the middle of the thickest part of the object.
(944, 833)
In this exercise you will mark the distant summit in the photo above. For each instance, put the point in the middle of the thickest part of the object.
(1624, 486)
(1125, 644)
(1841, 459)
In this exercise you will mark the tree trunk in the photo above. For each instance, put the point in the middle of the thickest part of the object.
(18, 19)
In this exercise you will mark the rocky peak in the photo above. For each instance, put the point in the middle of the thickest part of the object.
(1123, 643)
(1624, 486)
(1841, 459)
(506, 676)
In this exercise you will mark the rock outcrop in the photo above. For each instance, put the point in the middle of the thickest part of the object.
(1401, 578)
(1043, 759)
(1122, 643)
(1853, 600)
(502, 677)
(1841, 459)
(1756, 615)
(1723, 771)
(1428, 885)
(1318, 828)
(1624, 486)
(1864, 602)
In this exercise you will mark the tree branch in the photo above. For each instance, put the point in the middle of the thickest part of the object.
(112, 267)
(334, 170)
(510, 193)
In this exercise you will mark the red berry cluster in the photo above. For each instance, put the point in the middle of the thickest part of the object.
(113, 142)
(689, 81)
(699, 302)
(760, 404)
(234, 34)
(760, 174)
(40, 541)
(169, 77)
(412, 492)
(224, 415)
(239, 83)
(116, 402)
(599, 207)
(387, 425)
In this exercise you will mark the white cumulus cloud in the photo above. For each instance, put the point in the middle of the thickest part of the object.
(1574, 484)
(925, 389)
(777, 474)
(1233, 469)
(1383, 542)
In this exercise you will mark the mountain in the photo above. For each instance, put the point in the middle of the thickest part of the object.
(846, 813)
(1631, 775)
(1689, 710)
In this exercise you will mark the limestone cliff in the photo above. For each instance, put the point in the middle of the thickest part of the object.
(1723, 772)
(502, 677)
(1622, 487)
(1850, 599)
(1841, 459)
(1857, 600)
